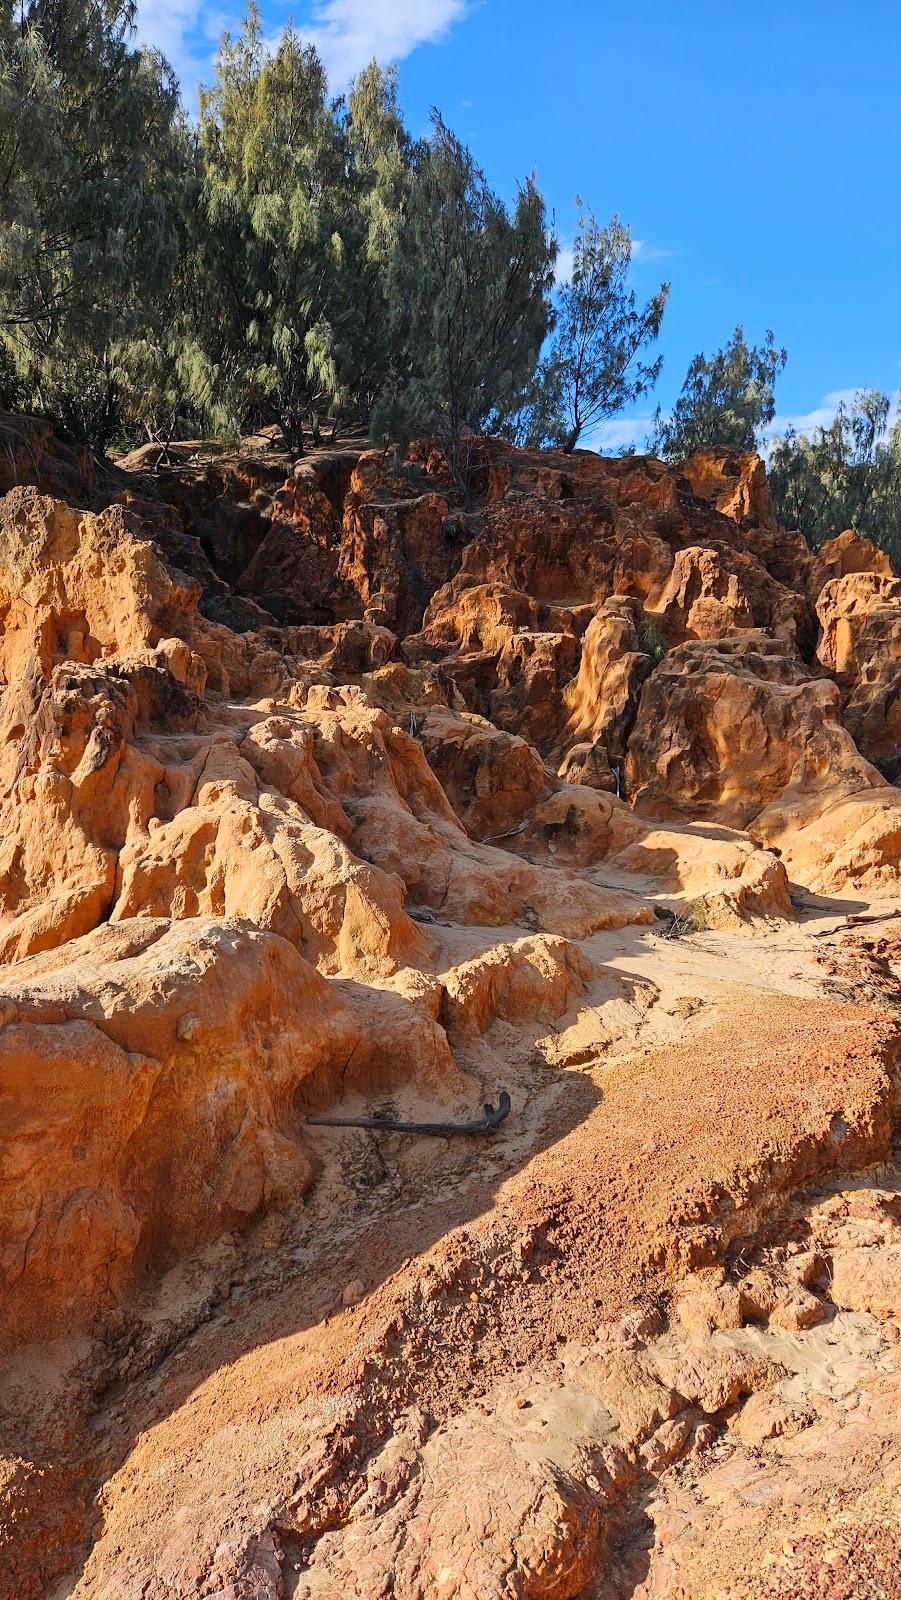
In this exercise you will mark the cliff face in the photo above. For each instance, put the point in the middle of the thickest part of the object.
(323, 787)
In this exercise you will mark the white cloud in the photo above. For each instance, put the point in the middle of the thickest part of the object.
(806, 421)
(640, 254)
(165, 24)
(563, 269)
(630, 433)
(643, 252)
(823, 415)
(346, 33)
(620, 433)
(188, 33)
(349, 33)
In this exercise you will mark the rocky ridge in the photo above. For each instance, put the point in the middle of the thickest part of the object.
(320, 788)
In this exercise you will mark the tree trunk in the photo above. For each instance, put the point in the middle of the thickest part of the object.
(454, 441)
(291, 424)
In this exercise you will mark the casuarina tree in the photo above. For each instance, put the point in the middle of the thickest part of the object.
(469, 299)
(276, 200)
(594, 368)
(92, 152)
(846, 475)
(726, 400)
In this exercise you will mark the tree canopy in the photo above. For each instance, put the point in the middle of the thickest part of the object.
(276, 199)
(726, 400)
(846, 475)
(468, 296)
(290, 259)
(94, 160)
(593, 368)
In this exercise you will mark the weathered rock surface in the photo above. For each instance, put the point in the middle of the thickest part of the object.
(321, 790)
(732, 481)
(860, 645)
(147, 1086)
(716, 712)
(603, 698)
(492, 779)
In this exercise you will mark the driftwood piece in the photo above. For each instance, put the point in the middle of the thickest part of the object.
(491, 1121)
(855, 920)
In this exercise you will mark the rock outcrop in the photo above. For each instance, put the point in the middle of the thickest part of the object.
(148, 1083)
(860, 646)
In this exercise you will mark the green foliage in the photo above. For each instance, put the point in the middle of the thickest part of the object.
(292, 259)
(651, 641)
(697, 912)
(92, 151)
(400, 413)
(592, 370)
(274, 197)
(379, 154)
(468, 297)
(303, 198)
(13, 390)
(411, 472)
(680, 924)
(724, 401)
(847, 475)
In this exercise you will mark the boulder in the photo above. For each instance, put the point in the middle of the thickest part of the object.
(146, 1104)
(530, 978)
(491, 778)
(726, 727)
(849, 552)
(603, 698)
(868, 1281)
(395, 553)
(860, 644)
(532, 670)
(714, 590)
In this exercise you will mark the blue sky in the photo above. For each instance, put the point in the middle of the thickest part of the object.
(752, 147)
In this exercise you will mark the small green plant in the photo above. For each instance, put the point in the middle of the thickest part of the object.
(410, 471)
(678, 924)
(697, 912)
(651, 641)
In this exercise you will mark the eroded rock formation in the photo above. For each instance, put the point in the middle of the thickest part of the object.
(320, 788)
